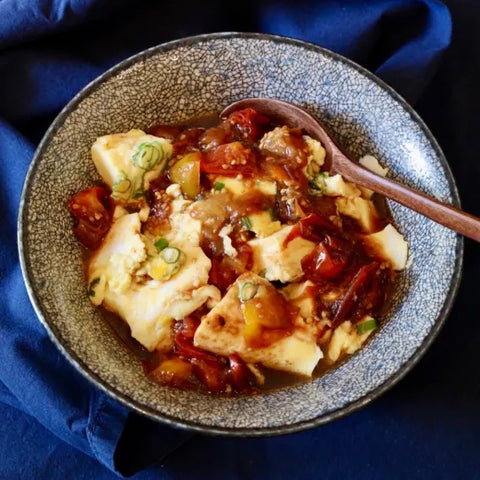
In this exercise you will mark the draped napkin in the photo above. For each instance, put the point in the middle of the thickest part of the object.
(49, 49)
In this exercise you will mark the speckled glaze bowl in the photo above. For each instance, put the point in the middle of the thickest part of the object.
(192, 77)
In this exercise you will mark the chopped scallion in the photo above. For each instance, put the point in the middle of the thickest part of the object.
(246, 222)
(91, 287)
(161, 243)
(170, 254)
(219, 186)
(247, 291)
(366, 326)
(147, 155)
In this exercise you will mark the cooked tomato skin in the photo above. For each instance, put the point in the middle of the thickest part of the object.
(92, 209)
(320, 264)
(248, 123)
(238, 372)
(359, 285)
(229, 159)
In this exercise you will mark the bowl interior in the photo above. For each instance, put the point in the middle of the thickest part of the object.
(196, 77)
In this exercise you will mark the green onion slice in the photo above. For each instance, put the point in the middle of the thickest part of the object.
(366, 326)
(273, 217)
(247, 291)
(170, 254)
(147, 155)
(91, 287)
(246, 222)
(312, 169)
(161, 244)
(219, 186)
(122, 185)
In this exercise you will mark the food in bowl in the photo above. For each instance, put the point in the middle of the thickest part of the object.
(232, 253)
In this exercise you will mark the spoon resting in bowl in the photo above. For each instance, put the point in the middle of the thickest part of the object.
(294, 116)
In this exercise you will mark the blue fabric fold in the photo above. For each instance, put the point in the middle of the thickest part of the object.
(48, 51)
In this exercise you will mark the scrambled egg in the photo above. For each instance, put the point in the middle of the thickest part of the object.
(149, 307)
(345, 339)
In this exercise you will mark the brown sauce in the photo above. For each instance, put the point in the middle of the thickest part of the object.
(231, 148)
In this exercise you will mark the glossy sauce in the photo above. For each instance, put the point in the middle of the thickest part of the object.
(348, 282)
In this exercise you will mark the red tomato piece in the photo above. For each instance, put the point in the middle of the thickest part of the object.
(93, 211)
(321, 265)
(359, 284)
(210, 374)
(229, 159)
(249, 123)
(313, 227)
(189, 327)
(221, 274)
(186, 349)
(239, 372)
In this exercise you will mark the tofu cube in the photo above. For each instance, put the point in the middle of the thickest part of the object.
(345, 339)
(277, 261)
(128, 162)
(221, 332)
(335, 186)
(389, 245)
(360, 209)
(301, 295)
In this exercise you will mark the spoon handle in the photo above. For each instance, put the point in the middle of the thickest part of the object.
(446, 215)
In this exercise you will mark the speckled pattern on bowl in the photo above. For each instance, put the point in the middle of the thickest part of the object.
(192, 77)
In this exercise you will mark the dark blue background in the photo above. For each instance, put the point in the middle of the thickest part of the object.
(428, 426)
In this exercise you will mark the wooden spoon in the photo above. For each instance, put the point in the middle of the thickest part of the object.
(289, 114)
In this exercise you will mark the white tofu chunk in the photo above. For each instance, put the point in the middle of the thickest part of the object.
(128, 162)
(149, 307)
(301, 295)
(239, 187)
(277, 262)
(221, 332)
(335, 186)
(360, 209)
(115, 262)
(228, 247)
(370, 162)
(316, 151)
(389, 245)
(262, 224)
(345, 339)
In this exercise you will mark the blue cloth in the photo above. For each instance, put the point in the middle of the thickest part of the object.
(55, 425)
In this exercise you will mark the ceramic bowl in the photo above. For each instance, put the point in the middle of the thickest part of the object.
(194, 77)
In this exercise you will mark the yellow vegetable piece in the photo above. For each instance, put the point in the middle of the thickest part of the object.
(186, 172)
(159, 269)
(253, 327)
(172, 371)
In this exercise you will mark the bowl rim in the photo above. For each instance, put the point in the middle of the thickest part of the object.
(171, 420)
